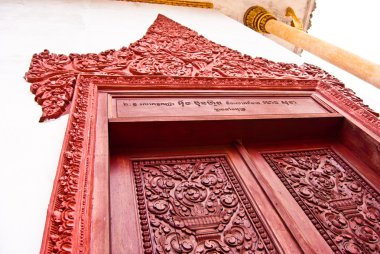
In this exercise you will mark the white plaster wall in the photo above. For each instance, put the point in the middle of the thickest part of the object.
(29, 150)
(352, 25)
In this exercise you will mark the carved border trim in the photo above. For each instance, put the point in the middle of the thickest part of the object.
(254, 217)
(205, 83)
(346, 100)
(68, 220)
(310, 214)
(251, 211)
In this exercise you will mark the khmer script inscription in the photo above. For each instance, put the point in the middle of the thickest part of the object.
(196, 205)
(343, 207)
(139, 107)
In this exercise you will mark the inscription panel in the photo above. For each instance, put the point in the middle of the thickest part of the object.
(196, 205)
(216, 106)
(343, 207)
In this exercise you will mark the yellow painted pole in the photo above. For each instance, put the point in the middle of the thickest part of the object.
(262, 21)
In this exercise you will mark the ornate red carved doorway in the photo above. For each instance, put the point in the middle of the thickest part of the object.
(236, 183)
(295, 153)
(305, 159)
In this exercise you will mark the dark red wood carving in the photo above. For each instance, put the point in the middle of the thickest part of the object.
(67, 225)
(196, 205)
(167, 49)
(170, 49)
(343, 207)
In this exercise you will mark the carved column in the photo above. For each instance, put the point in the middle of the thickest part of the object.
(260, 20)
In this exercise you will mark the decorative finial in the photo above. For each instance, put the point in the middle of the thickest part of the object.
(296, 22)
(256, 17)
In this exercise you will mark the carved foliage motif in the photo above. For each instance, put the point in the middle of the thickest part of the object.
(67, 226)
(196, 205)
(343, 207)
(170, 49)
(168, 56)
(53, 82)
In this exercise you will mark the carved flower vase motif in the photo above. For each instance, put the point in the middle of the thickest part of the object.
(343, 207)
(194, 206)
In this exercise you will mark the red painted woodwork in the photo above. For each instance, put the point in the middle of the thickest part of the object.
(326, 175)
(316, 182)
(196, 205)
(219, 173)
(171, 50)
(343, 207)
(231, 106)
(69, 225)
(171, 57)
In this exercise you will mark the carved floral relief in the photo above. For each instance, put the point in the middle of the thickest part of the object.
(172, 50)
(169, 55)
(196, 205)
(343, 207)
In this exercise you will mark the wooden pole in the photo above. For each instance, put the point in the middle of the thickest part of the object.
(262, 21)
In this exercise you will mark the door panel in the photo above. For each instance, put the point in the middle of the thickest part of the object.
(192, 200)
(290, 185)
(125, 231)
(321, 187)
(267, 198)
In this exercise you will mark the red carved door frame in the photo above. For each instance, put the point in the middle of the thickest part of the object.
(79, 194)
(172, 57)
(299, 234)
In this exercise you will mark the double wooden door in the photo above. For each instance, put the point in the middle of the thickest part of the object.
(235, 198)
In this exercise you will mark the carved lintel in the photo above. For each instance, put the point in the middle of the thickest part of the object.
(172, 50)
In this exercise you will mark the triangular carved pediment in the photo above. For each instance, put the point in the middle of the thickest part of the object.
(167, 49)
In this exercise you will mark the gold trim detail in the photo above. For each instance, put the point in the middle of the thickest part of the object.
(296, 22)
(197, 4)
(256, 17)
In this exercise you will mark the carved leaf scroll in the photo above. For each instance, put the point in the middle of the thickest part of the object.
(343, 207)
(196, 205)
(170, 49)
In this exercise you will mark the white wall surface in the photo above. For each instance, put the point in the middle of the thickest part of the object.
(352, 25)
(29, 150)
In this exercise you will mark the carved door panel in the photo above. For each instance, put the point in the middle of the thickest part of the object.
(238, 200)
(328, 190)
(193, 201)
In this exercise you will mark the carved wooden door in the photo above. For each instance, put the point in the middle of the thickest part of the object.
(327, 186)
(192, 201)
(242, 199)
